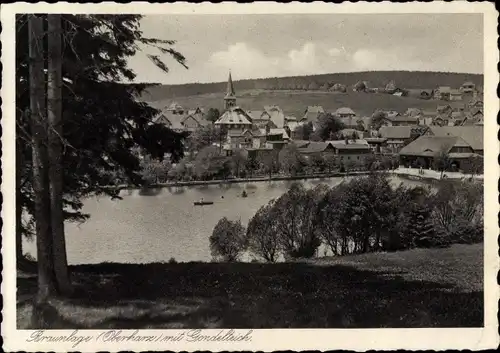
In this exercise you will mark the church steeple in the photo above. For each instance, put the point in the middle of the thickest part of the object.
(230, 98)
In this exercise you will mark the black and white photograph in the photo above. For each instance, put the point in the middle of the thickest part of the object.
(190, 176)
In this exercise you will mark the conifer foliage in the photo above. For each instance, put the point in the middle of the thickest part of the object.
(102, 118)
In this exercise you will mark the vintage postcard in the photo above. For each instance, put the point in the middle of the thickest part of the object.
(258, 177)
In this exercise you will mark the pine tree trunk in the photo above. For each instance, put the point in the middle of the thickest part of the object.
(55, 133)
(46, 278)
(19, 213)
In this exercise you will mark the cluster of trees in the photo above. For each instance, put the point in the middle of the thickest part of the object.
(328, 128)
(366, 214)
(213, 164)
(411, 80)
(77, 125)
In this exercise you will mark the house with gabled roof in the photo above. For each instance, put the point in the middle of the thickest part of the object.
(455, 95)
(444, 109)
(426, 94)
(345, 112)
(441, 120)
(473, 135)
(234, 118)
(315, 148)
(276, 115)
(423, 151)
(248, 138)
(468, 87)
(180, 120)
(476, 103)
(400, 120)
(426, 117)
(312, 114)
(398, 136)
(412, 111)
(442, 93)
(260, 118)
(342, 150)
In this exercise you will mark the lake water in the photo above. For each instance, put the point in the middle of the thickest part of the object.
(163, 223)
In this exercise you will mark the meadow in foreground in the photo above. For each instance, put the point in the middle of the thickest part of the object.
(416, 288)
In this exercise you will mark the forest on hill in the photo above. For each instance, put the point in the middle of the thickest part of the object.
(374, 79)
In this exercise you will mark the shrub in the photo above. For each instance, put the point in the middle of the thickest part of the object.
(228, 240)
(368, 211)
(294, 219)
(261, 234)
(458, 211)
(172, 260)
(154, 171)
(291, 160)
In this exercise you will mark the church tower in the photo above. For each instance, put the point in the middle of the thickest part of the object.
(230, 97)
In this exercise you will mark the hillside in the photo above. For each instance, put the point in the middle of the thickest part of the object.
(295, 102)
(404, 79)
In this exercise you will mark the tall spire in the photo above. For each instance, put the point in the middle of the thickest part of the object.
(230, 88)
(230, 98)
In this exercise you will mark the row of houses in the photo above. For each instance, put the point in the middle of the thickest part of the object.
(180, 119)
(271, 129)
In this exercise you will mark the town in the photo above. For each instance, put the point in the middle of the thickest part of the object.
(292, 170)
(447, 139)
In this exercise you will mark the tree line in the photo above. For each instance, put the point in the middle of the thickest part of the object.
(365, 214)
(77, 126)
(212, 164)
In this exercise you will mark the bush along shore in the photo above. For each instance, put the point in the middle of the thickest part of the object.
(361, 215)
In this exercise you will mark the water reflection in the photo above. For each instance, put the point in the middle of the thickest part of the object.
(160, 224)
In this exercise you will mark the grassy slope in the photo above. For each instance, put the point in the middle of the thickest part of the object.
(417, 288)
(405, 79)
(296, 102)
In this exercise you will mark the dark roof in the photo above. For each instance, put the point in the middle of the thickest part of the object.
(432, 145)
(311, 116)
(314, 147)
(352, 146)
(402, 118)
(235, 115)
(473, 135)
(174, 120)
(396, 132)
(301, 143)
(375, 139)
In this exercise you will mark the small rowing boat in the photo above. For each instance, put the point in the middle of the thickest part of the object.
(203, 203)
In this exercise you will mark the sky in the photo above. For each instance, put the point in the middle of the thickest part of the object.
(277, 45)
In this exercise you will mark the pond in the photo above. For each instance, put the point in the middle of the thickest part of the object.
(160, 224)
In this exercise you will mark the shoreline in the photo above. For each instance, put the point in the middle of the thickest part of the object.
(400, 173)
(241, 180)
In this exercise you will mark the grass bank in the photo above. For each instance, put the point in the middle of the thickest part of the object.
(416, 288)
